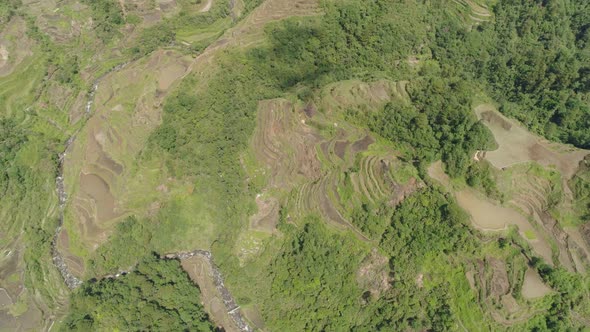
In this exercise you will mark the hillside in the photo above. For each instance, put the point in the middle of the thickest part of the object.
(294, 165)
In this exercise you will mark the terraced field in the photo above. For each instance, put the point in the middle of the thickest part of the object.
(125, 112)
(310, 154)
(305, 159)
(487, 215)
(537, 191)
(533, 176)
(473, 12)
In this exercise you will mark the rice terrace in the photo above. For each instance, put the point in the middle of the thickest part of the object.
(294, 165)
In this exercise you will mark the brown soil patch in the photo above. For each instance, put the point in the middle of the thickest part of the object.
(200, 272)
(488, 216)
(533, 287)
(10, 263)
(437, 172)
(3, 56)
(499, 284)
(283, 144)
(374, 275)
(328, 209)
(75, 264)
(254, 316)
(340, 148)
(288, 148)
(207, 6)
(362, 145)
(97, 190)
(169, 75)
(5, 299)
(267, 217)
(509, 303)
(15, 45)
(517, 145)
(531, 194)
(113, 137)
(310, 110)
(580, 247)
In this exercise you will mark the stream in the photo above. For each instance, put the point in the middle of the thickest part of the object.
(73, 282)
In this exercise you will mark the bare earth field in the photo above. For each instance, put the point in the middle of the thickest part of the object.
(517, 145)
(533, 287)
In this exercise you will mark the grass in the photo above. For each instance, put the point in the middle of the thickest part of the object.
(199, 33)
(187, 222)
(530, 235)
(463, 300)
(17, 89)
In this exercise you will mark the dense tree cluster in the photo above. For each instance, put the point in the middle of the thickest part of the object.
(158, 295)
(314, 278)
(120, 252)
(11, 139)
(533, 58)
(423, 223)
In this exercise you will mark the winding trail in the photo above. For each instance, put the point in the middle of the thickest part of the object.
(207, 6)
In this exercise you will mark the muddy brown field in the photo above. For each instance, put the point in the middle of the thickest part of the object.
(533, 287)
(517, 145)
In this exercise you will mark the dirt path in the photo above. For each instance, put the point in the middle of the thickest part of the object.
(207, 6)
(122, 4)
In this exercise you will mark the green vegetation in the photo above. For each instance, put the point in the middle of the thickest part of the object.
(479, 175)
(400, 260)
(304, 295)
(11, 139)
(302, 55)
(7, 10)
(131, 237)
(317, 283)
(572, 299)
(107, 16)
(152, 38)
(157, 295)
(424, 223)
(533, 59)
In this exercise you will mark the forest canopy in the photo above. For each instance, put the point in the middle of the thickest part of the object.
(158, 295)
